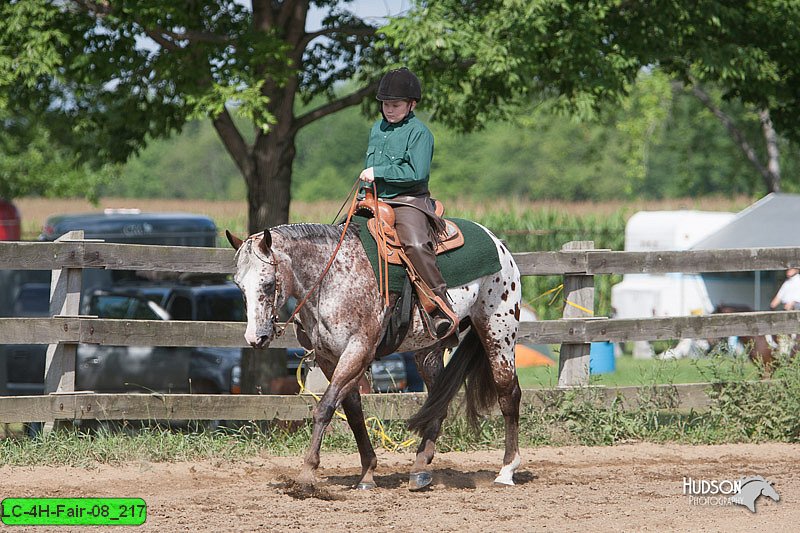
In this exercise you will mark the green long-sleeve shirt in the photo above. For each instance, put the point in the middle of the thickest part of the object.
(400, 155)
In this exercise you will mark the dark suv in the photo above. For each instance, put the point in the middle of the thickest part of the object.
(209, 370)
(134, 368)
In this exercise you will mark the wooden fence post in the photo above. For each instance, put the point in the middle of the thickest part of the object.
(65, 297)
(262, 370)
(573, 362)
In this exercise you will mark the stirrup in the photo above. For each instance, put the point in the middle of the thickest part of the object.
(444, 317)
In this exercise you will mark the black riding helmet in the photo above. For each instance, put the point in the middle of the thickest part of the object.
(399, 84)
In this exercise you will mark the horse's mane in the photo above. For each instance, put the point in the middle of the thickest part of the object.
(318, 233)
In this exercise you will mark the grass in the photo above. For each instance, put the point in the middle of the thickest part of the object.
(742, 410)
(639, 372)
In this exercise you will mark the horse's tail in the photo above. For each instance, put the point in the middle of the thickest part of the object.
(469, 365)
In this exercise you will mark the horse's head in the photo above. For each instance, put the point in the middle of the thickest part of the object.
(258, 277)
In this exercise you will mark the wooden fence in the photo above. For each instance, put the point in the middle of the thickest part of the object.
(577, 262)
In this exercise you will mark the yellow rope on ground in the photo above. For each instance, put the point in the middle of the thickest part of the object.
(386, 441)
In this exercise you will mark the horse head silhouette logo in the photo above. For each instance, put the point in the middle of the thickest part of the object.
(751, 488)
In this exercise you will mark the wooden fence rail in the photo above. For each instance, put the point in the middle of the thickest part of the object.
(578, 263)
(114, 332)
(57, 255)
(393, 406)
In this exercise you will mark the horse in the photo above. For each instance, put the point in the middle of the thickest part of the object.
(342, 322)
(758, 348)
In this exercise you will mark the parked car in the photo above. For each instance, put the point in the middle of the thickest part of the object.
(389, 374)
(102, 368)
(131, 368)
(24, 363)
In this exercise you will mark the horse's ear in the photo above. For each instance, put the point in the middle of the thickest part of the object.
(266, 242)
(235, 241)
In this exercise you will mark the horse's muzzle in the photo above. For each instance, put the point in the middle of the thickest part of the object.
(261, 337)
(260, 342)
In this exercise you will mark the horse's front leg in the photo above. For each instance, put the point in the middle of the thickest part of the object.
(355, 418)
(343, 381)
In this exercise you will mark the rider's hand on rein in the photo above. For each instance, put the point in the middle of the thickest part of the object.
(367, 175)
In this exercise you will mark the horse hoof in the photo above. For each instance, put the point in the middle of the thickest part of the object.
(504, 482)
(369, 485)
(419, 480)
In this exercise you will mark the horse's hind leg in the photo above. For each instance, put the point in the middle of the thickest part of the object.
(509, 398)
(509, 395)
(498, 332)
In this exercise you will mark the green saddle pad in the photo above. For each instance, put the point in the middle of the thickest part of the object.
(477, 258)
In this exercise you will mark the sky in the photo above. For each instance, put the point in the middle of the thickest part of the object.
(375, 11)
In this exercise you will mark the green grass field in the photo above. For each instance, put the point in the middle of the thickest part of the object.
(630, 371)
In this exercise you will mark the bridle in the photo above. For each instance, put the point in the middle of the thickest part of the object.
(278, 285)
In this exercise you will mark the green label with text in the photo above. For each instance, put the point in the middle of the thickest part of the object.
(73, 511)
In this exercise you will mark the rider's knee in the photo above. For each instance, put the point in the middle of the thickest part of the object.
(418, 246)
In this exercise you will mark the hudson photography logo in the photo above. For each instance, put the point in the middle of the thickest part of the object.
(725, 492)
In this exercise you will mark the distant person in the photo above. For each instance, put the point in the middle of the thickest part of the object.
(789, 293)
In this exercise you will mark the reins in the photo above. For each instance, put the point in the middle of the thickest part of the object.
(382, 265)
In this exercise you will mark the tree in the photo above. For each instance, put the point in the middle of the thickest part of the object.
(483, 59)
(31, 165)
(110, 75)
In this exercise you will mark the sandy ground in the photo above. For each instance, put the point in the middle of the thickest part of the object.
(631, 487)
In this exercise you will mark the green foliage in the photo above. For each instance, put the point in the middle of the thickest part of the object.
(481, 57)
(108, 78)
(110, 81)
(756, 411)
(191, 165)
(31, 164)
(660, 143)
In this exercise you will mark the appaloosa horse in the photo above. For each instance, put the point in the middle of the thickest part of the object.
(342, 323)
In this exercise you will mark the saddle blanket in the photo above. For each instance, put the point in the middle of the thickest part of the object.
(477, 258)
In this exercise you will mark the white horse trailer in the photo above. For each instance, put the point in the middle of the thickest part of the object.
(671, 294)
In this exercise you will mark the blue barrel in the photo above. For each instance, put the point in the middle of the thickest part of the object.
(601, 358)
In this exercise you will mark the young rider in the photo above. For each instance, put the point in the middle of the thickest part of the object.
(398, 161)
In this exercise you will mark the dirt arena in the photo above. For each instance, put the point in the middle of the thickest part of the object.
(631, 487)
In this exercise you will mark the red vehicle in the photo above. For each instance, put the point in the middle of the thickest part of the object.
(9, 221)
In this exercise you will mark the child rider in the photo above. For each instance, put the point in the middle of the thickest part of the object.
(398, 161)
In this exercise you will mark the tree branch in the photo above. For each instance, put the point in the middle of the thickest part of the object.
(234, 143)
(334, 106)
(103, 10)
(304, 42)
(735, 132)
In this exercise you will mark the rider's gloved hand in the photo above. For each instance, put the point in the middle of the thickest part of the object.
(367, 175)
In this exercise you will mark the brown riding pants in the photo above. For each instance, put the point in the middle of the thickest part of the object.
(416, 233)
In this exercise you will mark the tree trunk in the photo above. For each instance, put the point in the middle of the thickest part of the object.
(269, 187)
(770, 173)
(773, 152)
